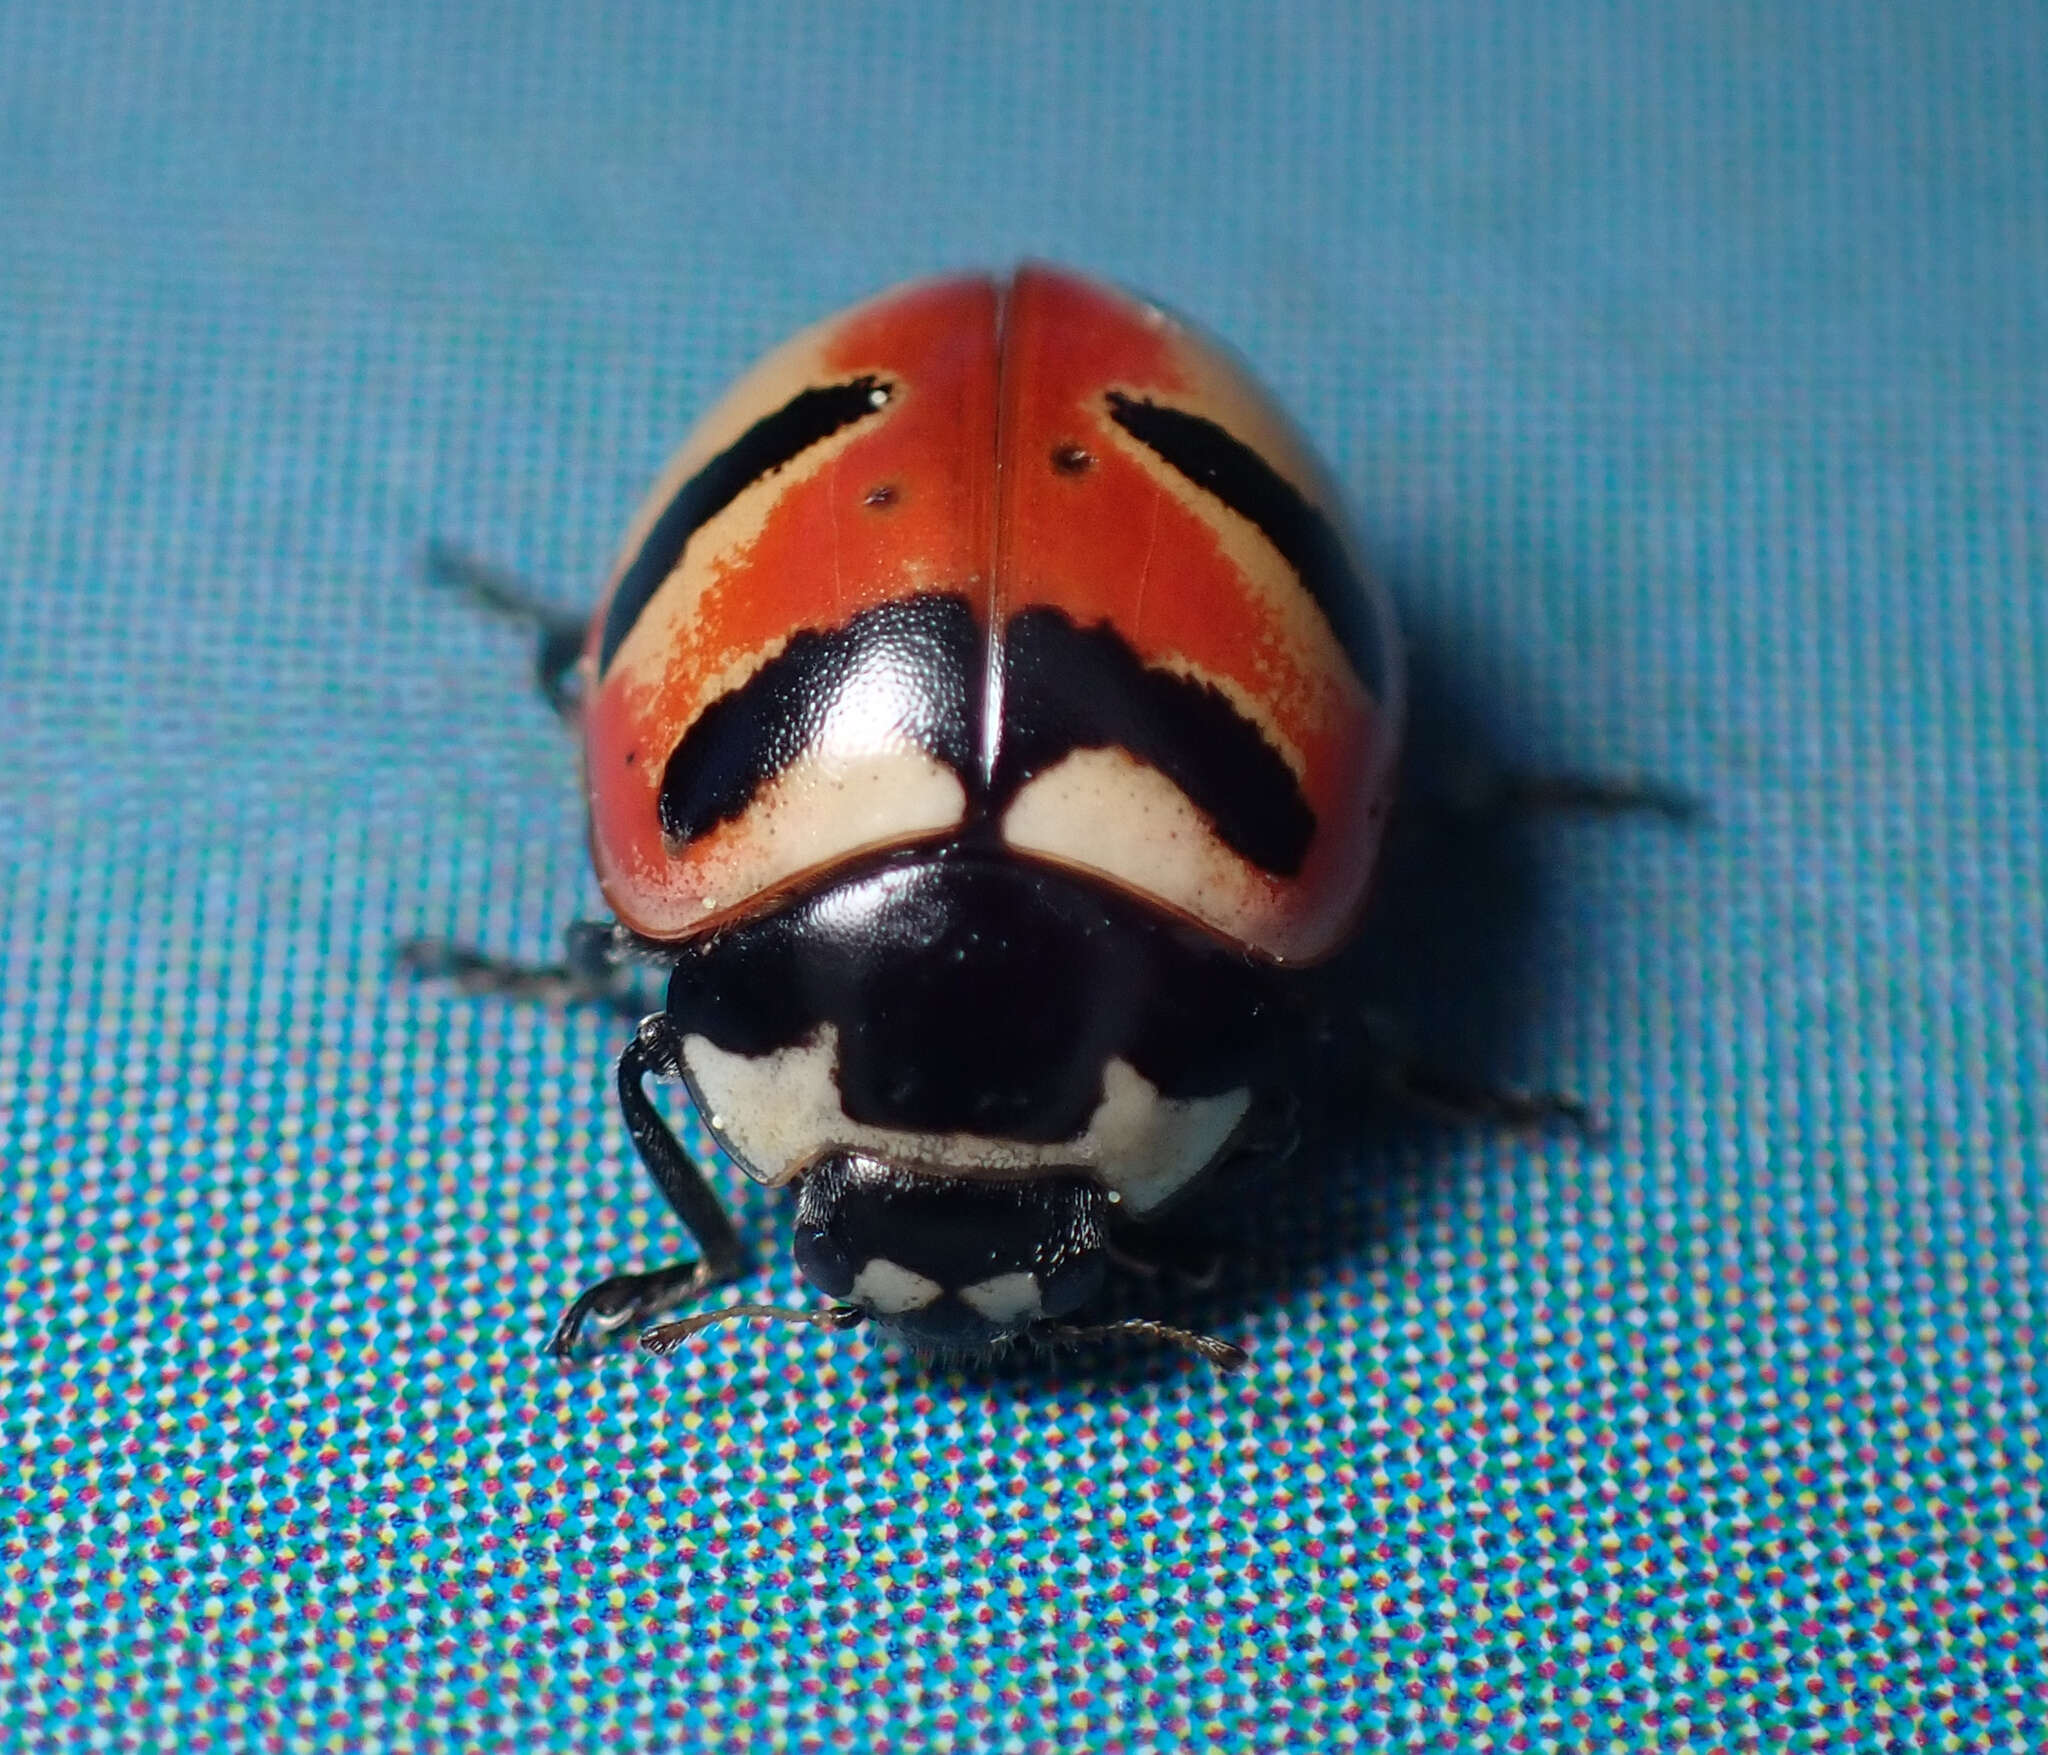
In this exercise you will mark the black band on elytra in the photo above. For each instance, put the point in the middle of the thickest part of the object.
(1223, 465)
(919, 657)
(768, 445)
(1067, 688)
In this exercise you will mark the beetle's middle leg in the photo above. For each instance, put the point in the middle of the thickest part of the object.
(558, 633)
(1478, 792)
(1397, 1072)
(592, 971)
(1476, 796)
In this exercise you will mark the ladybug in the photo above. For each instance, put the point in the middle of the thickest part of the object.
(989, 727)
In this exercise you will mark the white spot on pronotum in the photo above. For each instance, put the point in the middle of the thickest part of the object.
(878, 396)
(1005, 1298)
(889, 1289)
(778, 1111)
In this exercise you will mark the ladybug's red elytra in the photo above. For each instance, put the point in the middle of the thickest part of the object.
(988, 725)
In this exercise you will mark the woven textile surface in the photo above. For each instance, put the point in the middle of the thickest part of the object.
(1687, 367)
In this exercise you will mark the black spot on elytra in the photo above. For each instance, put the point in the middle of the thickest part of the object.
(1069, 458)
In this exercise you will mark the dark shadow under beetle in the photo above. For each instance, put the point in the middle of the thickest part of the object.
(1445, 959)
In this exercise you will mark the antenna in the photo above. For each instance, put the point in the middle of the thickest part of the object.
(665, 1337)
(1222, 1354)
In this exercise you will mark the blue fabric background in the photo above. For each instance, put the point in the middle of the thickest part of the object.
(1688, 366)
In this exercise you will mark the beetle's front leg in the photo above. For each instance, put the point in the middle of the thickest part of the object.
(630, 1300)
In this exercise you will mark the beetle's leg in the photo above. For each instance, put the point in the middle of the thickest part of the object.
(591, 972)
(559, 633)
(1478, 791)
(633, 1299)
(1451, 1097)
(1194, 1268)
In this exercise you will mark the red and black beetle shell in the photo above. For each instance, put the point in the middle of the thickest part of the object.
(987, 720)
(1032, 555)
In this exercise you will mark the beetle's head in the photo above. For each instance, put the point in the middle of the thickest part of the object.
(952, 1263)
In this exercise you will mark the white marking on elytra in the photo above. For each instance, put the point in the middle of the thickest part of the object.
(889, 1289)
(777, 1112)
(1104, 810)
(1006, 1298)
(860, 786)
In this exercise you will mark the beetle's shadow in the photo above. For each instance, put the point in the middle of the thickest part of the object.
(1446, 952)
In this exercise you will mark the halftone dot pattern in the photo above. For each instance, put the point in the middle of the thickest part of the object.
(1686, 368)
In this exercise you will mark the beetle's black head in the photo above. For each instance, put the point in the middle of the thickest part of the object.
(952, 1263)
